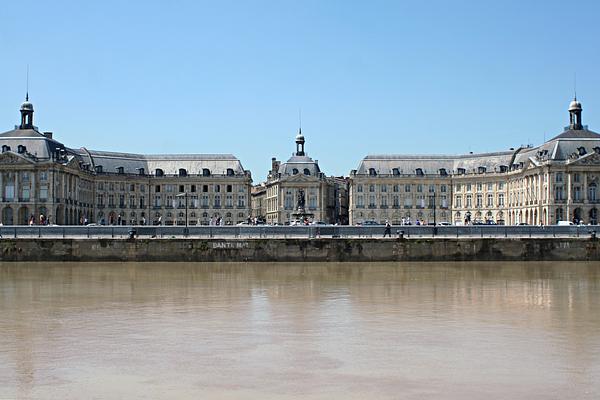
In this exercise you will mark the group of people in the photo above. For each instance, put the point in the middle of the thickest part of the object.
(43, 220)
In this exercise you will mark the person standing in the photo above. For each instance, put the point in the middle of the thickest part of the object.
(388, 229)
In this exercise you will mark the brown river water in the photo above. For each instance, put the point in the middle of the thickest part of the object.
(300, 331)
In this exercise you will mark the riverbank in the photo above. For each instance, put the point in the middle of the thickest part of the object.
(302, 250)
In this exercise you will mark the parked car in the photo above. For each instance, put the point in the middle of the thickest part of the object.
(370, 222)
(564, 223)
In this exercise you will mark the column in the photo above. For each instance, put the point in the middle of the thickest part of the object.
(569, 198)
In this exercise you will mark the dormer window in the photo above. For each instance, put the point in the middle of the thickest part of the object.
(21, 149)
(141, 171)
(295, 171)
(182, 172)
(372, 172)
(581, 151)
(98, 169)
(503, 168)
(120, 170)
(461, 171)
(481, 170)
(419, 172)
(306, 171)
(230, 172)
(597, 150)
(5, 148)
(159, 172)
(443, 172)
(205, 172)
(395, 171)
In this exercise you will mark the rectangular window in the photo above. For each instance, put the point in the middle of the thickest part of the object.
(372, 201)
(396, 200)
(142, 188)
(193, 189)
(490, 187)
(229, 188)
(142, 202)
(229, 201)
(204, 188)
(457, 187)
(26, 193)
(407, 188)
(312, 202)
(559, 177)
(500, 185)
(419, 188)
(111, 200)
(122, 187)
(157, 201)
(43, 175)
(25, 176)
(408, 202)
(479, 186)
(204, 200)
(100, 200)
(132, 201)
(443, 188)
(576, 178)
(181, 188)
(169, 188)
(360, 202)
(500, 200)
(490, 200)
(468, 187)
(157, 189)
(371, 188)
(121, 200)
(359, 188)
(217, 188)
(469, 201)
(458, 201)
(217, 200)
(396, 188)
(100, 185)
(241, 201)
(431, 188)
(44, 192)
(384, 188)
(132, 187)
(479, 200)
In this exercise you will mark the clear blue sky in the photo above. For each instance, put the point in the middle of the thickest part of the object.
(370, 77)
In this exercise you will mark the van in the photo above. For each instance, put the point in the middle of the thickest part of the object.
(564, 223)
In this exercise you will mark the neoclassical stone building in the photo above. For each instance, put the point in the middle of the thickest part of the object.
(535, 185)
(299, 176)
(39, 175)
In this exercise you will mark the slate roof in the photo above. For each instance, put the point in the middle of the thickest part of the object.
(300, 163)
(37, 145)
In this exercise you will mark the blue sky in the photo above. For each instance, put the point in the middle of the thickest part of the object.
(370, 77)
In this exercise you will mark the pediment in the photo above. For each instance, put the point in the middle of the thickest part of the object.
(9, 158)
(299, 178)
(592, 159)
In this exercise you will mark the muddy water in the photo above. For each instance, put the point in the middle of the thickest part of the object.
(300, 331)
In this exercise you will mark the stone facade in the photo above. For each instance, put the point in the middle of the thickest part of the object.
(299, 178)
(40, 176)
(557, 181)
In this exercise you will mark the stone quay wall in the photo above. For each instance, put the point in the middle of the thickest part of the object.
(301, 250)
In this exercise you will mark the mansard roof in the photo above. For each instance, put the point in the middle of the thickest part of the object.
(37, 146)
(577, 134)
(299, 163)
(170, 164)
(432, 164)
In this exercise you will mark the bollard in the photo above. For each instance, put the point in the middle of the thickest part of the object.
(400, 234)
(593, 235)
(131, 232)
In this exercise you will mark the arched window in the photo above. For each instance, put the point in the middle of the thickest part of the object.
(372, 172)
(229, 172)
(5, 148)
(21, 149)
(205, 172)
(159, 172)
(581, 150)
(306, 171)
(182, 172)
(295, 171)
(395, 171)
(481, 170)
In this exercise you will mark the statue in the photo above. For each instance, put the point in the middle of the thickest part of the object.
(301, 200)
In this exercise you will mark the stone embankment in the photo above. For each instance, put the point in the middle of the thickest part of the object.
(302, 250)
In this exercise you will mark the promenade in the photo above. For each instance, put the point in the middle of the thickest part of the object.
(296, 232)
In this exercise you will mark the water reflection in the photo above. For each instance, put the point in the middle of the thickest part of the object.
(385, 330)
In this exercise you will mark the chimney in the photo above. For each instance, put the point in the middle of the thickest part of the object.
(274, 165)
(48, 135)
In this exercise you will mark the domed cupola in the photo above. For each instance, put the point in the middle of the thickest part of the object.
(26, 114)
(575, 115)
(300, 143)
